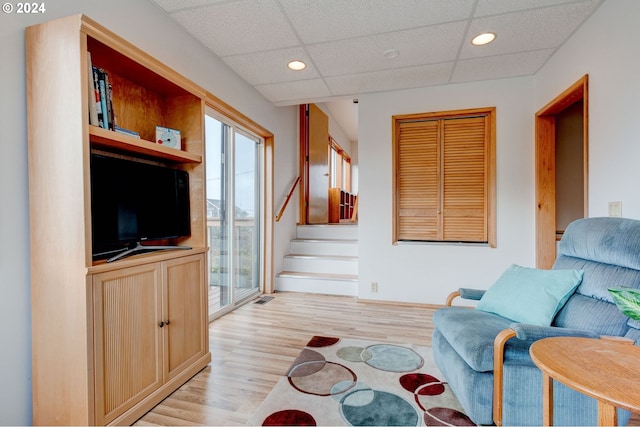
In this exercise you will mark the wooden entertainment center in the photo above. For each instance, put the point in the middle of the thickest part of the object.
(109, 340)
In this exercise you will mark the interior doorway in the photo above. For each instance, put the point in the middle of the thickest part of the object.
(561, 167)
(326, 195)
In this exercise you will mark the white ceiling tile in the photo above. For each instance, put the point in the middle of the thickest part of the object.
(381, 81)
(293, 92)
(173, 5)
(271, 67)
(495, 7)
(323, 20)
(498, 67)
(343, 41)
(239, 27)
(419, 46)
(528, 30)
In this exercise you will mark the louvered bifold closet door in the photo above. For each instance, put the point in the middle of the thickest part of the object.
(464, 181)
(417, 181)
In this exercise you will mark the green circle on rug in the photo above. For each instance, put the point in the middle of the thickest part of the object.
(394, 358)
(377, 408)
(354, 354)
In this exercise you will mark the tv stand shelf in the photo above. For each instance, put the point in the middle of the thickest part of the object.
(109, 340)
(102, 266)
(104, 138)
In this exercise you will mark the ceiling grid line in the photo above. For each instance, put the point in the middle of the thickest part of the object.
(343, 42)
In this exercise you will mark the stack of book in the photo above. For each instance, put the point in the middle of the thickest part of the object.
(101, 111)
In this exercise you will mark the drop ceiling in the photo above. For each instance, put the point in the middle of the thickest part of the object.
(343, 42)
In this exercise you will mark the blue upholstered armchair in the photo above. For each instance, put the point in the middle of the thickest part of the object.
(484, 356)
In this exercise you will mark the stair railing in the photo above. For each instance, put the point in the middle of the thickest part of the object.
(286, 201)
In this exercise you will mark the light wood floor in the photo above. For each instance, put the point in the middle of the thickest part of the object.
(253, 346)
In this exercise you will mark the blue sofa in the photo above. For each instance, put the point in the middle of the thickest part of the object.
(607, 251)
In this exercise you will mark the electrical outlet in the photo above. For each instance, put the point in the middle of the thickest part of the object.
(615, 208)
(374, 286)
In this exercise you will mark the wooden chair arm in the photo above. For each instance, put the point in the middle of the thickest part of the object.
(451, 297)
(498, 359)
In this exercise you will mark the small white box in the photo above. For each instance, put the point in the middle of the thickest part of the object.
(168, 137)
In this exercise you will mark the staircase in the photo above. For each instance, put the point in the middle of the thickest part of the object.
(323, 259)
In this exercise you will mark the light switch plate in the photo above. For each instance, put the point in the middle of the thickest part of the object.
(615, 209)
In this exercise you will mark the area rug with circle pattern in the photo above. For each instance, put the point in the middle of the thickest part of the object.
(361, 383)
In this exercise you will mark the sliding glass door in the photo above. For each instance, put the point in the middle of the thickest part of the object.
(234, 161)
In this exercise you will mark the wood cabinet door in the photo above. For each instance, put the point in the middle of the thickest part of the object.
(127, 307)
(185, 312)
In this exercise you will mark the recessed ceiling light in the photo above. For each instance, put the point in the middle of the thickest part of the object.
(391, 53)
(296, 65)
(482, 39)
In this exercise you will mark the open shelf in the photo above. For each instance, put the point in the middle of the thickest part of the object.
(146, 94)
(341, 205)
(104, 138)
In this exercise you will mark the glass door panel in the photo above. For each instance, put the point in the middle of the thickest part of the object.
(234, 200)
(217, 223)
(247, 222)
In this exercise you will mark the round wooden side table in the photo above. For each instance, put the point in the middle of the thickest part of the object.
(605, 369)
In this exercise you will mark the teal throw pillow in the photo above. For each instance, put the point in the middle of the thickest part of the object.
(530, 295)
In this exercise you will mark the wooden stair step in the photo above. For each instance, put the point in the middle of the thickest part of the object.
(322, 276)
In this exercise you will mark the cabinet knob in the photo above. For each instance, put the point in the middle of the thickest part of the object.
(161, 324)
(167, 322)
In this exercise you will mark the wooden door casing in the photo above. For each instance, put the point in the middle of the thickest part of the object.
(545, 141)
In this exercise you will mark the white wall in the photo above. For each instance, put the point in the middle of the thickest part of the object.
(145, 25)
(605, 48)
(355, 171)
(426, 273)
(335, 130)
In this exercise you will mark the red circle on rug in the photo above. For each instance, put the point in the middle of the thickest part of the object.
(318, 341)
(289, 417)
(446, 417)
(423, 384)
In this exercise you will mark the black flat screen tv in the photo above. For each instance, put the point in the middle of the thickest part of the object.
(133, 203)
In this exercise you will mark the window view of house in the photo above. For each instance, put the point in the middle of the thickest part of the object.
(233, 159)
